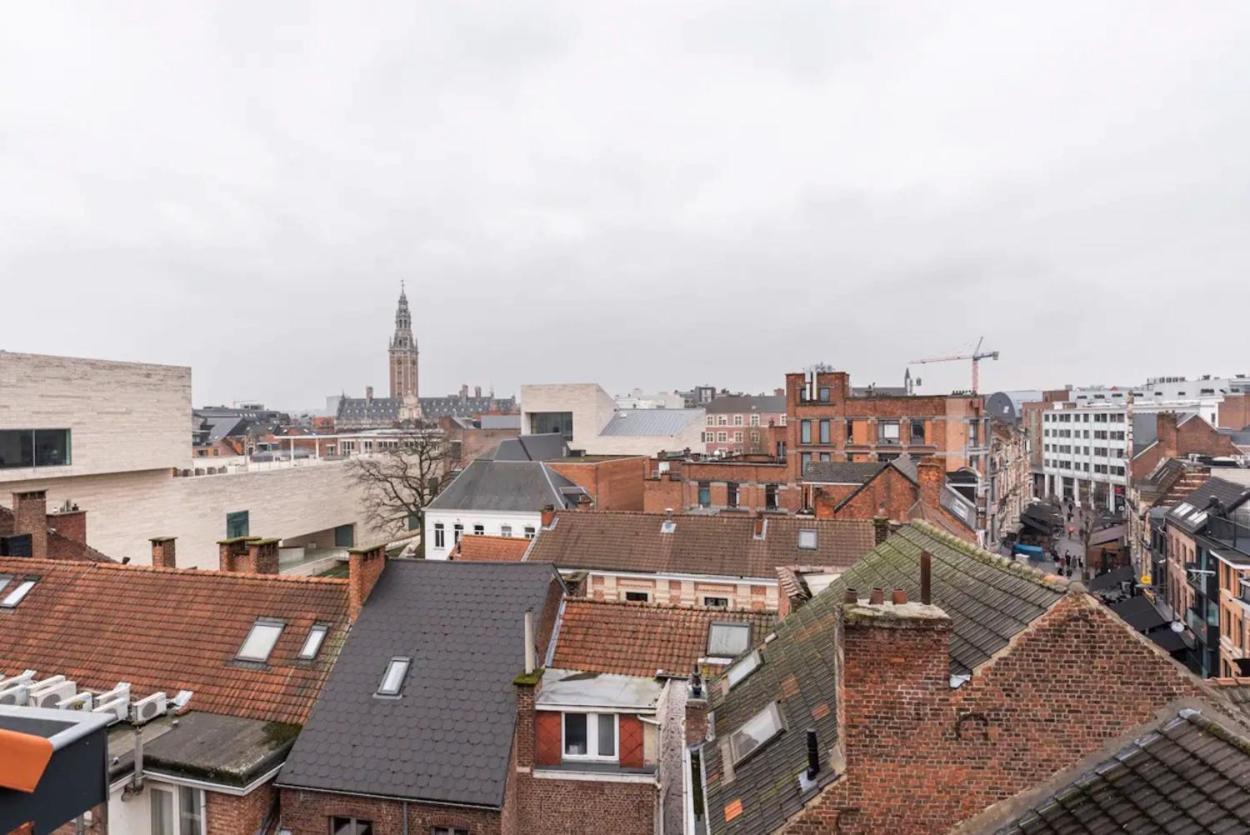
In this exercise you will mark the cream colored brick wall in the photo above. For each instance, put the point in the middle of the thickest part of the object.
(592, 407)
(122, 416)
(125, 510)
(683, 591)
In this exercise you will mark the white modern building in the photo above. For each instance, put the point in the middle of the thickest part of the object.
(638, 399)
(114, 438)
(592, 422)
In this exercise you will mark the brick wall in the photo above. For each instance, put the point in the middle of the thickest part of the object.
(364, 567)
(30, 516)
(614, 484)
(679, 489)
(575, 807)
(309, 813)
(226, 814)
(922, 757)
(1234, 412)
(71, 524)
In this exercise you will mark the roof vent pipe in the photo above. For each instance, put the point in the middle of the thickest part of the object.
(813, 755)
(529, 641)
(926, 578)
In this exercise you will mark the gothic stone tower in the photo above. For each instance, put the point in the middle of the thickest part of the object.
(403, 353)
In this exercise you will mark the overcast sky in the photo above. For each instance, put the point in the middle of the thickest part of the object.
(639, 194)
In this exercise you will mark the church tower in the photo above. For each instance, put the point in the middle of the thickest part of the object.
(403, 352)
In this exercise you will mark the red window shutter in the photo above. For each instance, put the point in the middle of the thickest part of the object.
(631, 741)
(547, 737)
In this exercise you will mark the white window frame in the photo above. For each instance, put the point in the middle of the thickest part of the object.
(313, 642)
(530, 531)
(772, 712)
(261, 623)
(626, 592)
(403, 665)
(505, 530)
(737, 420)
(592, 739)
(755, 420)
(440, 535)
(174, 793)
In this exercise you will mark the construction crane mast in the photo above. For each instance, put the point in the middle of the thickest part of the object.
(976, 356)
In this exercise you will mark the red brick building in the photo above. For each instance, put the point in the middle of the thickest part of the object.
(749, 483)
(828, 421)
(913, 717)
(744, 423)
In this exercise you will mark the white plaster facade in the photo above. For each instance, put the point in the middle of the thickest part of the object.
(760, 593)
(516, 524)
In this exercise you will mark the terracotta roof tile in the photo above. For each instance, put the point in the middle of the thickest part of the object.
(101, 623)
(490, 549)
(722, 545)
(639, 639)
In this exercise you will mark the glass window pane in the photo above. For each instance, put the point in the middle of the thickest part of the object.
(259, 642)
(51, 447)
(760, 728)
(162, 805)
(728, 640)
(607, 735)
(364, 827)
(393, 679)
(575, 734)
(17, 593)
(342, 826)
(189, 811)
(743, 668)
(17, 448)
(313, 642)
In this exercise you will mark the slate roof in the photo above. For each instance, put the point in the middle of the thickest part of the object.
(1188, 775)
(642, 639)
(500, 422)
(988, 598)
(723, 545)
(1229, 494)
(662, 423)
(505, 485)
(843, 472)
(490, 549)
(1139, 613)
(447, 737)
(381, 410)
(745, 404)
(385, 410)
(99, 623)
(1110, 580)
(60, 547)
(546, 447)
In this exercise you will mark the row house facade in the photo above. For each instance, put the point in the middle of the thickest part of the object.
(742, 483)
(745, 424)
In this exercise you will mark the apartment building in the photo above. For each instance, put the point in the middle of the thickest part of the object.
(743, 423)
(112, 439)
(1085, 453)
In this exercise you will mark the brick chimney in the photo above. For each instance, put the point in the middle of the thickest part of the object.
(364, 567)
(1167, 432)
(30, 516)
(70, 522)
(163, 552)
(232, 553)
(932, 477)
(895, 690)
(548, 515)
(369, 393)
(696, 710)
(880, 529)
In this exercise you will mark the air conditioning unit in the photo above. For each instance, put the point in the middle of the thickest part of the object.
(118, 706)
(12, 681)
(17, 695)
(50, 692)
(121, 691)
(145, 710)
(84, 701)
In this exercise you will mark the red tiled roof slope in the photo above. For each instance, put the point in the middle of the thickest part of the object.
(491, 549)
(722, 545)
(166, 629)
(639, 639)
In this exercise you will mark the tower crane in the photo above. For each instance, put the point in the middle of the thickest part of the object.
(976, 356)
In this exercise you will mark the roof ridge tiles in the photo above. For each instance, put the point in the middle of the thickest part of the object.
(664, 607)
(1051, 581)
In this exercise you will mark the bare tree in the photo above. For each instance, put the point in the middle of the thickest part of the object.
(399, 480)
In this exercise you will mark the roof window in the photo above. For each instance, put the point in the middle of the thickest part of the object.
(312, 644)
(1184, 509)
(743, 668)
(668, 526)
(807, 540)
(756, 731)
(393, 679)
(14, 592)
(260, 640)
(728, 640)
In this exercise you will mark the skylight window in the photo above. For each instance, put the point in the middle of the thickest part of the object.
(758, 730)
(15, 593)
(260, 640)
(1198, 518)
(312, 644)
(1184, 509)
(728, 640)
(393, 678)
(742, 669)
(807, 540)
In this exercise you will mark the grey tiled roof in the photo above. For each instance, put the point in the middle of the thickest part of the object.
(545, 447)
(988, 598)
(385, 410)
(651, 422)
(745, 404)
(1228, 493)
(842, 472)
(501, 421)
(505, 485)
(1190, 775)
(447, 738)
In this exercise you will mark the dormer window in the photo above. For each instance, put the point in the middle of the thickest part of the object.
(393, 679)
(757, 730)
(807, 540)
(312, 644)
(728, 640)
(260, 640)
(14, 591)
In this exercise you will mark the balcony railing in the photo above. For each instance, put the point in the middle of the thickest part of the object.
(1230, 533)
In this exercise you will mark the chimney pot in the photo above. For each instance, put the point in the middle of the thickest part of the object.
(850, 596)
(877, 597)
(898, 597)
